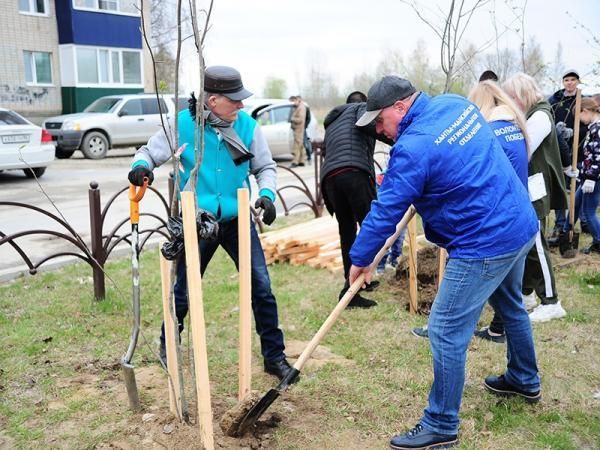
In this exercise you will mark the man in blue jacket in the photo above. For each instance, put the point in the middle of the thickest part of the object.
(447, 162)
(234, 148)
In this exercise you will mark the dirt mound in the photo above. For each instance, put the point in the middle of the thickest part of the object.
(427, 278)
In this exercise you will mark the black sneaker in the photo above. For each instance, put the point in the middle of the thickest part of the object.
(554, 238)
(484, 333)
(499, 386)
(420, 439)
(421, 332)
(371, 286)
(594, 248)
(360, 302)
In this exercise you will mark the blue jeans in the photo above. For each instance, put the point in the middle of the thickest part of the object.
(264, 305)
(394, 251)
(586, 206)
(467, 285)
(561, 219)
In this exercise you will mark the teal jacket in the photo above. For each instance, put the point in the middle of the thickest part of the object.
(218, 178)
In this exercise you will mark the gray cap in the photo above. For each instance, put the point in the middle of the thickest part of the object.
(225, 81)
(384, 93)
(571, 73)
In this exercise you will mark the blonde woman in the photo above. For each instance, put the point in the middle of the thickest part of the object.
(546, 189)
(508, 124)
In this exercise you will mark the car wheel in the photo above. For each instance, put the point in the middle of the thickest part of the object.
(34, 172)
(94, 145)
(63, 154)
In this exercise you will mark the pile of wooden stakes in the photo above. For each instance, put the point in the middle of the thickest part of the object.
(315, 243)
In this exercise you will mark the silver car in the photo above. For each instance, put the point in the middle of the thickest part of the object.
(23, 145)
(273, 116)
(111, 121)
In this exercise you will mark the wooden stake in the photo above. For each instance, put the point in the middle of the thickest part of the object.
(442, 256)
(170, 335)
(574, 163)
(412, 266)
(245, 271)
(194, 285)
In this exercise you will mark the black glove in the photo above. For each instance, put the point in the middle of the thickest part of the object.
(268, 208)
(137, 174)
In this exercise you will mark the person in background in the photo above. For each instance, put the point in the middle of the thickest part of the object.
(546, 189)
(447, 162)
(563, 110)
(298, 120)
(587, 197)
(488, 75)
(234, 148)
(348, 178)
(390, 259)
(508, 124)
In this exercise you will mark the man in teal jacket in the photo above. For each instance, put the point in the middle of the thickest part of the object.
(447, 162)
(234, 148)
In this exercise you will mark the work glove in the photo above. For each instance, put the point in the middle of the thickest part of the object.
(567, 133)
(588, 186)
(137, 174)
(268, 208)
(570, 172)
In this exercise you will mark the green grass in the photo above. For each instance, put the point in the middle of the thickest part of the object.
(60, 352)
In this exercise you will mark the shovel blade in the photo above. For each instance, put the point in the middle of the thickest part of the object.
(257, 411)
(568, 244)
(132, 390)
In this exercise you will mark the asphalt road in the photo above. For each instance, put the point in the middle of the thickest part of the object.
(64, 192)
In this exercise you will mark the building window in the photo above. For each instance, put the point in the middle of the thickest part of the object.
(38, 68)
(113, 6)
(132, 68)
(33, 6)
(108, 67)
(109, 5)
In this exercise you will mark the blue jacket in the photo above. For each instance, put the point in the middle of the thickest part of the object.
(512, 141)
(449, 164)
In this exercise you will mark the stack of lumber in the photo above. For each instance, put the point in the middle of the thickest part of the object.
(315, 243)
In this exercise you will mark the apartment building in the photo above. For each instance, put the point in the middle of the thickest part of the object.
(59, 56)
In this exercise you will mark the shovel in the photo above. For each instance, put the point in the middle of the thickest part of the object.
(568, 242)
(261, 406)
(135, 195)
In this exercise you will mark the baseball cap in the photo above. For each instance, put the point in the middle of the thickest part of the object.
(384, 93)
(226, 81)
(571, 73)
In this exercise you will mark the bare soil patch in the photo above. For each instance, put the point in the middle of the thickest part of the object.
(427, 278)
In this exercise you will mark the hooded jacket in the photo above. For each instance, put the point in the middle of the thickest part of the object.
(448, 163)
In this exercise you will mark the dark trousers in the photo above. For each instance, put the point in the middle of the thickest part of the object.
(350, 195)
(264, 304)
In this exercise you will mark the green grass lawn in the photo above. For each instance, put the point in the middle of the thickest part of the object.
(60, 352)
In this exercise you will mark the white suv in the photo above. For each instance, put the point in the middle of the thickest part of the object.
(111, 121)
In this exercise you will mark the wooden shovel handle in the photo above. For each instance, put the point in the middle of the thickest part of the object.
(351, 292)
(574, 161)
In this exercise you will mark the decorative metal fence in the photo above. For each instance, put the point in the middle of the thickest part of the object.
(103, 242)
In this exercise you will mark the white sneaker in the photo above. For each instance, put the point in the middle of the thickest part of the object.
(544, 313)
(529, 301)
